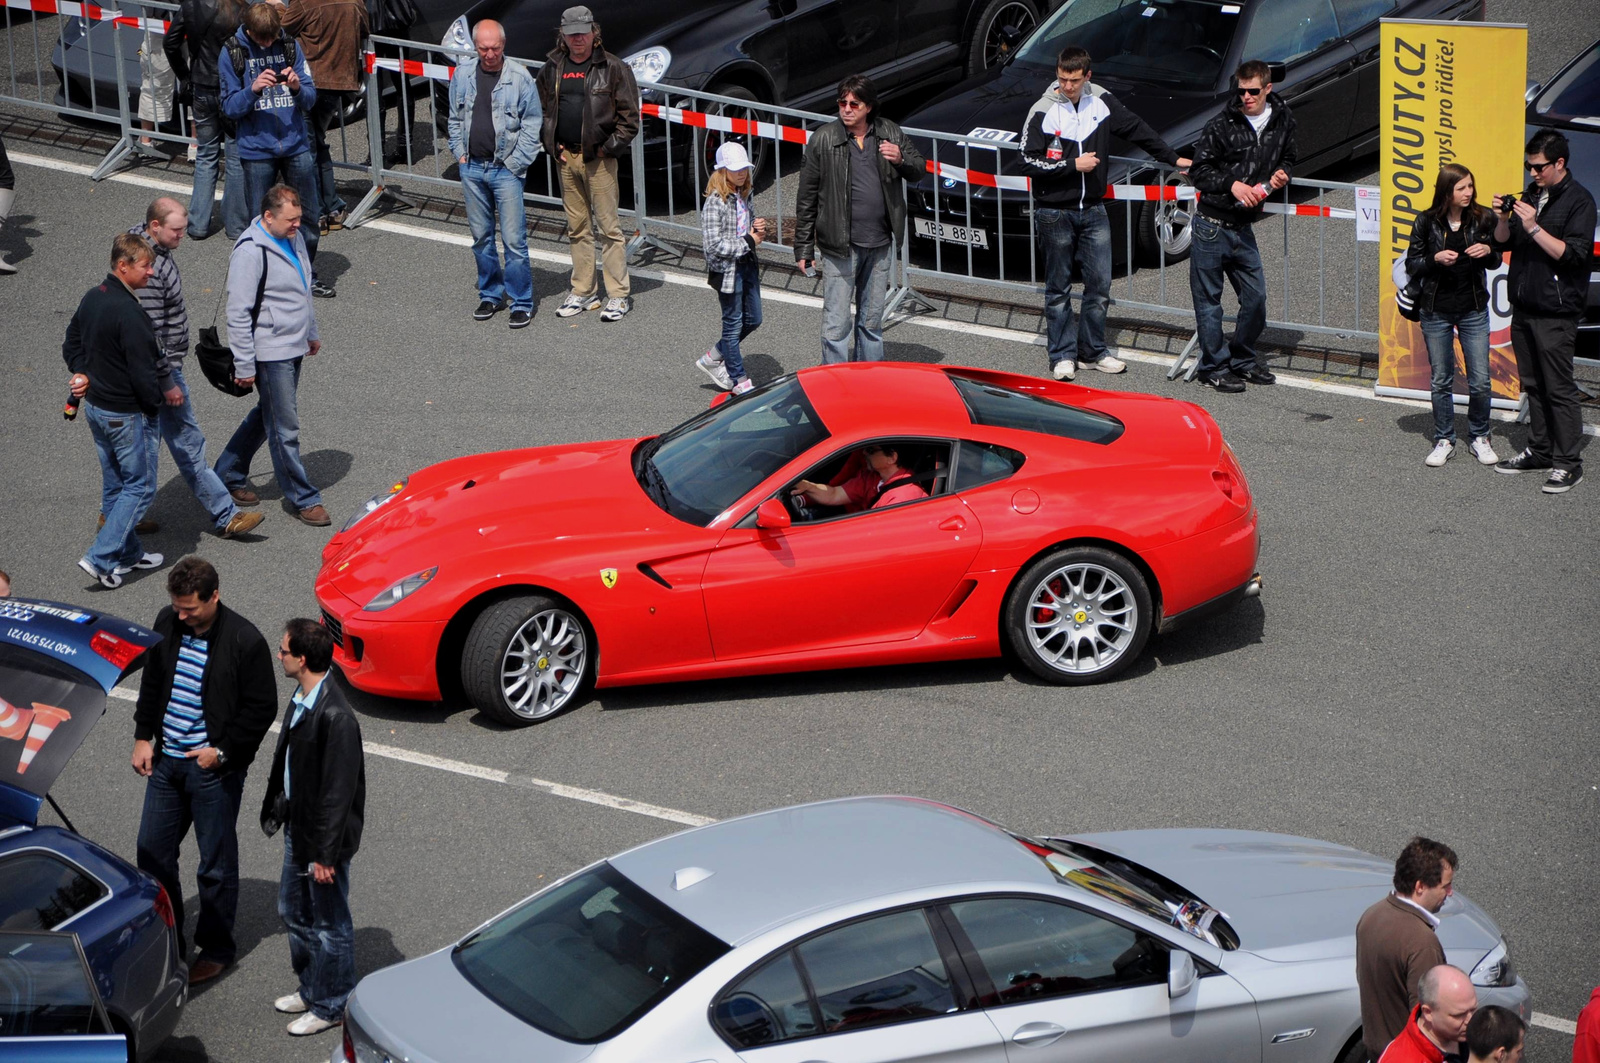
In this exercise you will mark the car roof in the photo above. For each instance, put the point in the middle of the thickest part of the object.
(773, 867)
(885, 398)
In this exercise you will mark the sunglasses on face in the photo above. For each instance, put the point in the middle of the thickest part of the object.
(1250, 92)
(850, 104)
(1537, 168)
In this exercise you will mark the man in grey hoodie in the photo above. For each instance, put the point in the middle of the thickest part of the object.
(272, 328)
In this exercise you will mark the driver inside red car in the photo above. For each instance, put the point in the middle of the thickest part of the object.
(882, 481)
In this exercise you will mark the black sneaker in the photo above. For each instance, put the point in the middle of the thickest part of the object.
(487, 309)
(1524, 462)
(1226, 383)
(1562, 480)
(323, 291)
(1256, 375)
(520, 318)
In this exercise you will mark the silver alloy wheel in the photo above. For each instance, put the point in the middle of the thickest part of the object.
(1018, 15)
(1173, 219)
(544, 664)
(1081, 618)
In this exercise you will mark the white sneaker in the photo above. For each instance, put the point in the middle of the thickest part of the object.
(309, 1023)
(743, 386)
(293, 1004)
(148, 561)
(1483, 450)
(615, 308)
(577, 304)
(1110, 363)
(1442, 452)
(713, 368)
(109, 582)
(1065, 369)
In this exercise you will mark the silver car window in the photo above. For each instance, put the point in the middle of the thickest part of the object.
(767, 1006)
(879, 971)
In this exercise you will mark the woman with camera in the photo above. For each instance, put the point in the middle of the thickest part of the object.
(1451, 252)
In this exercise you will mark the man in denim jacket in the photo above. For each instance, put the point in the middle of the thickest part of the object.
(494, 134)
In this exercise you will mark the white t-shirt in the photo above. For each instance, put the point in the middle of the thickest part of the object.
(1259, 122)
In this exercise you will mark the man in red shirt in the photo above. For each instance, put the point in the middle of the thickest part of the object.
(882, 482)
(1439, 1022)
(1586, 1047)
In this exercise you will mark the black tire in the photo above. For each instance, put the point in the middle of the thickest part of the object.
(988, 47)
(514, 630)
(706, 142)
(1093, 594)
(1164, 223)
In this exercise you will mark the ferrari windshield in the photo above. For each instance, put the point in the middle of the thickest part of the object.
(1172, 42)
(705, 465)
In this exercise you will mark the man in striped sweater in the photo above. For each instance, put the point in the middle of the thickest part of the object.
(165, 223)
(205, 703)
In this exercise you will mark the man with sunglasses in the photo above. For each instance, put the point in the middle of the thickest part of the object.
(1244, 154)
(1550, 234)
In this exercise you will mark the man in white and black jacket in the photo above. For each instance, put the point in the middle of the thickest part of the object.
(1244, 154)
(1066, 141)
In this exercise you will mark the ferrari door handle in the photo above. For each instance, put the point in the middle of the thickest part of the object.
(1037, 1034)
(952, 524)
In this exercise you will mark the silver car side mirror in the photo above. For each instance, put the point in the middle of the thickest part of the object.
(1180, 973)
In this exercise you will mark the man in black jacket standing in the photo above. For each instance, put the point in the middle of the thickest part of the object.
(205, 703)
(1550, 233)
(317, 791)
(1245, 153)
(195, 36)
(1066, 140)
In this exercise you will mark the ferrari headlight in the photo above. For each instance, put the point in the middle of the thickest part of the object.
(399, 592)
(650, 64)
(374, 502)
(458, 37)
(1495, 968)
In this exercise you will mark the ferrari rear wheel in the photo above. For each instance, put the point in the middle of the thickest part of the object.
(526, 660)
(1079, 615)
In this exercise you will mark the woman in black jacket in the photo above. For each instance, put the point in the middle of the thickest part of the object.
(1450, 251)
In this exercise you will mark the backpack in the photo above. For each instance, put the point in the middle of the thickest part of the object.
(236, 54)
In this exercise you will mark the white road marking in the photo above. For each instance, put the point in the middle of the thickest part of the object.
(1551, 1022)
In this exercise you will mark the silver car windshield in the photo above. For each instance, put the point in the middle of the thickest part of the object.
(1176, 42)
(584, 960)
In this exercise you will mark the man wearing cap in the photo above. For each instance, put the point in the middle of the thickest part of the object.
(495, 120)
(591, 115)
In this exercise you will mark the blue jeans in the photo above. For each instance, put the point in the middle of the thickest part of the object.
(325, 114)
(212, 144)
(1081, 237)
(492, 190)
(863, 275)
(1215, 250)
(179, 793)
(741, 314)
(273, 420)
(299, 172)
(124, 442)
(1439, 332)
(188, 447)
(322, 936)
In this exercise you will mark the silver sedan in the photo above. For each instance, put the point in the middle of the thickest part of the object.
(871, 930)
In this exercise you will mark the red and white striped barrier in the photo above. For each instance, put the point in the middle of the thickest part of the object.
(411, 67)
(90, 12)
(724, 124)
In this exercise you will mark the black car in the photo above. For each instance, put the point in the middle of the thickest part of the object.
(1171, 62)
(1571, 103)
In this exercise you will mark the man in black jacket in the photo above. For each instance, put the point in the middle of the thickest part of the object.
(1550, 234)
(196, 35)
(1245, 153)
(851, 208)
(205, 703)
(318, 791)
(112, 351)
(1066, 140)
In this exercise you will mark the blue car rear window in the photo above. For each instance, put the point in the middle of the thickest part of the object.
(998, 407)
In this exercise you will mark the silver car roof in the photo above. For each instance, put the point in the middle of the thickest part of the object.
(772, 867)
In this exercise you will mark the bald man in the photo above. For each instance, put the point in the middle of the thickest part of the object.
(165, 223)
(1438, 1023)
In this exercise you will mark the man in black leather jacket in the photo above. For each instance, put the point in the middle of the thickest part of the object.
(198, 31)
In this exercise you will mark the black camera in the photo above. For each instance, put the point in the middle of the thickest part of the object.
(1506, 202)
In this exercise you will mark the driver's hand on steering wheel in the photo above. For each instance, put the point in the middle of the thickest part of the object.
(805, 487)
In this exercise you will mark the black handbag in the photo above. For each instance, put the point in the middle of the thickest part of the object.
(216, 357)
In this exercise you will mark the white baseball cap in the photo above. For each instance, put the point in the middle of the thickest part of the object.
(732, 156)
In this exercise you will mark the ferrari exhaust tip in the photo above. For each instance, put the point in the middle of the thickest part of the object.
(1253, 588)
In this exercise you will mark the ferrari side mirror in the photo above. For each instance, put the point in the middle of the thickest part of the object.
(772, 514)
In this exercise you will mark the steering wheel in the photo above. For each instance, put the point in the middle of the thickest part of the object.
(1206, 50)
(750, 462)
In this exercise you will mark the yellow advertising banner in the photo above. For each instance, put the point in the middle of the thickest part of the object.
(1452, 92)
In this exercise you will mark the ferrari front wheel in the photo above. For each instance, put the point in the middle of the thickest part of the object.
(1079, 615)
(526, 659)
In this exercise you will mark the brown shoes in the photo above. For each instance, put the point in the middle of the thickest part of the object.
(241, 523)
(316, 516)
(205, 971)
(244, 496)
(144, 527)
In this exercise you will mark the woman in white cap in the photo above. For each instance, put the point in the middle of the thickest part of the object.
(732, 233)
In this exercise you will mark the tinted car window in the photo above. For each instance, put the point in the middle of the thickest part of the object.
(1180, 42)
(983, 463)
(1036, 949)
(878, 971)
(1576, 94)
(998, 407)
(1284, 30)
(1355, 15)
(45, 989)
(39, 891)
(584, 960)
(767, 1006)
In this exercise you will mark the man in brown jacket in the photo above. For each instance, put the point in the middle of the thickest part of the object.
(330, 33)
(1396, 943)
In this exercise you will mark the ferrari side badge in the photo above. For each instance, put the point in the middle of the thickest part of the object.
(608, 576)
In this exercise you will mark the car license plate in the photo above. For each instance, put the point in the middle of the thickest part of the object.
(953, 234)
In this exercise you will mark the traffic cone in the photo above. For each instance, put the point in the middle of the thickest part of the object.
(46, 718)
(14, 721)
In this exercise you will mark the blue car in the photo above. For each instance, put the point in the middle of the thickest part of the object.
(57, 665)
(50, 1011)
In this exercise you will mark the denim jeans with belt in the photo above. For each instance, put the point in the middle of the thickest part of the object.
(1439, 332)
(274, 420)
(862, 275)
(125, 444)
(1216, 251)
(179, 793)
(491, 191)
(1081, 237)
(187, 444)
(741, 314)
(322, 936)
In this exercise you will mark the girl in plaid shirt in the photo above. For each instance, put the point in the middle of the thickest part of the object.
(732, 233)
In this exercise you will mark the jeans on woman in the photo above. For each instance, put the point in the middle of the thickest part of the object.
(1439, 332)
(741, 314)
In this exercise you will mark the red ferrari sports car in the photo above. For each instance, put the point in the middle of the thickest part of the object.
(948, 513)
